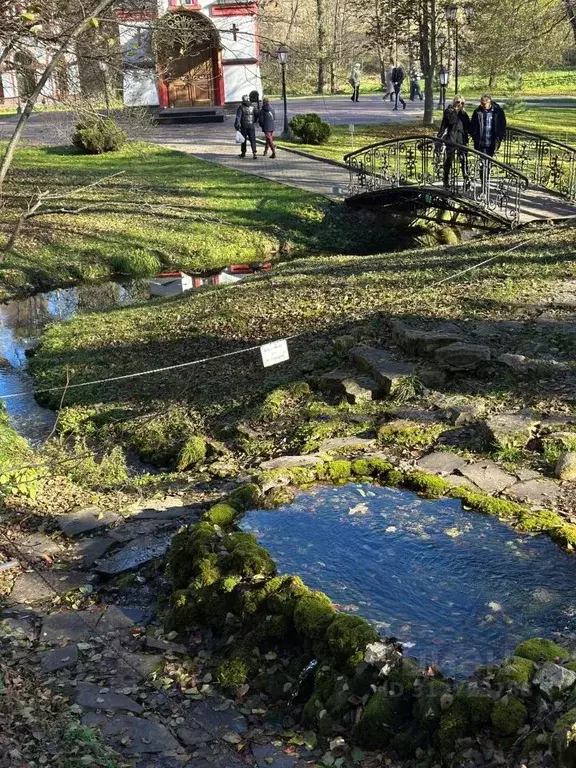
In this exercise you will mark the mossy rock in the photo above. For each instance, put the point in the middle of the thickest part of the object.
(207, 571)
(250, 560)
(338, 704)
(394, 478)
(182, 613)
(278, 497)
(408, 741)
(193, 453)
(454, 724)
(431, 486)
(383, 717)
(347, 638)
(311, 710)
(509, 714)
(239, 539)
(534, 521)
(476, 702)
(403, 678)
(565, 536)
(404, 433)
(564, 740)
(515, 671)
(427, 706)
(187, 549)
(221, 514)
(302, 476)
(245, 497)
(488, 505)
(339, 469)
(313, 615)
(325, 682)
(283, 600)
(371, 467)
(539, 649)
(232, 673)
(270, 627)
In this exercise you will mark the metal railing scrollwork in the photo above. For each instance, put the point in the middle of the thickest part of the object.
(490, 186)
(547, 163)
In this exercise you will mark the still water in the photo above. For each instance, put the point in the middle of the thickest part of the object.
(21, 324)
(459, 589)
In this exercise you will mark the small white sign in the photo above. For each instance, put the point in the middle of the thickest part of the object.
(351, 127)
(274, 353)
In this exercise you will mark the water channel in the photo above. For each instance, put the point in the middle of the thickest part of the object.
(458, 588)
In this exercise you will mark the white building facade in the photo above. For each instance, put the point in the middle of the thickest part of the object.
(223, 68)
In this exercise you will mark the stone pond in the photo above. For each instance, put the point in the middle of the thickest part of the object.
(458, 589)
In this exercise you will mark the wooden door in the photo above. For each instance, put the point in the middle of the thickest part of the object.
(191, 80)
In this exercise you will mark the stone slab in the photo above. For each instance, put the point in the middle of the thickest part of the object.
(38, 546)
(32, 589)
(553, 680)
(86, 552)
(511, 428)
(19, 628)
(269, 756)
(134, 529)
(441, 463)
(462, 357)
(136, 553)
(289, 462)
(126, 668)
(69, 626)
(194, 737)
(488, 476)
(420, 342)
(386, 371)
(117, 618)
(156, 644)
(86, 520)
(459, 481)
(60, 658)
(337, 444)
(133, 735)
(538, 492)
(348, 383)
(219, 721)
(91, 696)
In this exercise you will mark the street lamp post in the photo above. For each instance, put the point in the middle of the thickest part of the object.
(441, 40)
(282, 56)
(444, 80)
(451, 12)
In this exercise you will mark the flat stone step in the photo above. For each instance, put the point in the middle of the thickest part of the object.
(349, 384)
(86, 520)
(136, 553)
(384, 369)
(488, 476)
(133, 735)
(441, 463)
(60, 658)
(32, 589)
(421, 343)
(91, 696)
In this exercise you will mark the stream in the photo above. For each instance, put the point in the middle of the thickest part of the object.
(21, 325)
(457, 588)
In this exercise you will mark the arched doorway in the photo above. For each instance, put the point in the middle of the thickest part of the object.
(188, 51)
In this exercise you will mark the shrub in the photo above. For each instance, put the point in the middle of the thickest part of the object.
(310, 129)
(95, 135)
(193, 452)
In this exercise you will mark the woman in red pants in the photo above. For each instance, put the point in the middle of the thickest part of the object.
(267, 120)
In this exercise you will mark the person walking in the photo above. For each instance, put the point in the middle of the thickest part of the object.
(389, 84)
(488, 129)
(455, 129)
(267, 121)
(246, 117)
(415, 86)
(354, 81)
(398, 76)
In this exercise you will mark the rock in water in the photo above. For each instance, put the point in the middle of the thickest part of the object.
(566, 467)
(553, 679)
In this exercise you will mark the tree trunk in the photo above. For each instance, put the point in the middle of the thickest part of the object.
(570, 6)
(8, 156)
(428, 54)
(322, 26)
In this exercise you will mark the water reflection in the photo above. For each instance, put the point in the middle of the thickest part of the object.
(458, 589)
(21, 324)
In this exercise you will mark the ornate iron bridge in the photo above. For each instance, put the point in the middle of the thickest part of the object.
(421, 172)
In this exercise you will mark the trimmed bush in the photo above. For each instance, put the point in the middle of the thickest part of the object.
(310, 129)
(95, 135)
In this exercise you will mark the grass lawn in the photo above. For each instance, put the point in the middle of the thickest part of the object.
(559, 124)
(164, 209)
(321, 298)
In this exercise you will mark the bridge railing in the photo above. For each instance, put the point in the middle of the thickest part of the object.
(547, 163)
(490, 185)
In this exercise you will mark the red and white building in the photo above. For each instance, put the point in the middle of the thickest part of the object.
(223, 68)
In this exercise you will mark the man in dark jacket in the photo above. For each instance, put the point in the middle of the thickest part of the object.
(488, 129)
(246, 118)
(455, 129)
(267, 121)
(398, 76)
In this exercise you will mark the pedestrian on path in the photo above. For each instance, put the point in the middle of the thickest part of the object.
(455, 129)
(354, 81)
(246, 117)
(415, 89)
(398, 76)
(389, 83)
(488, 129)
(267, 121)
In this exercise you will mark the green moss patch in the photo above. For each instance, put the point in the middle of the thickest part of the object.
(540, 649)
